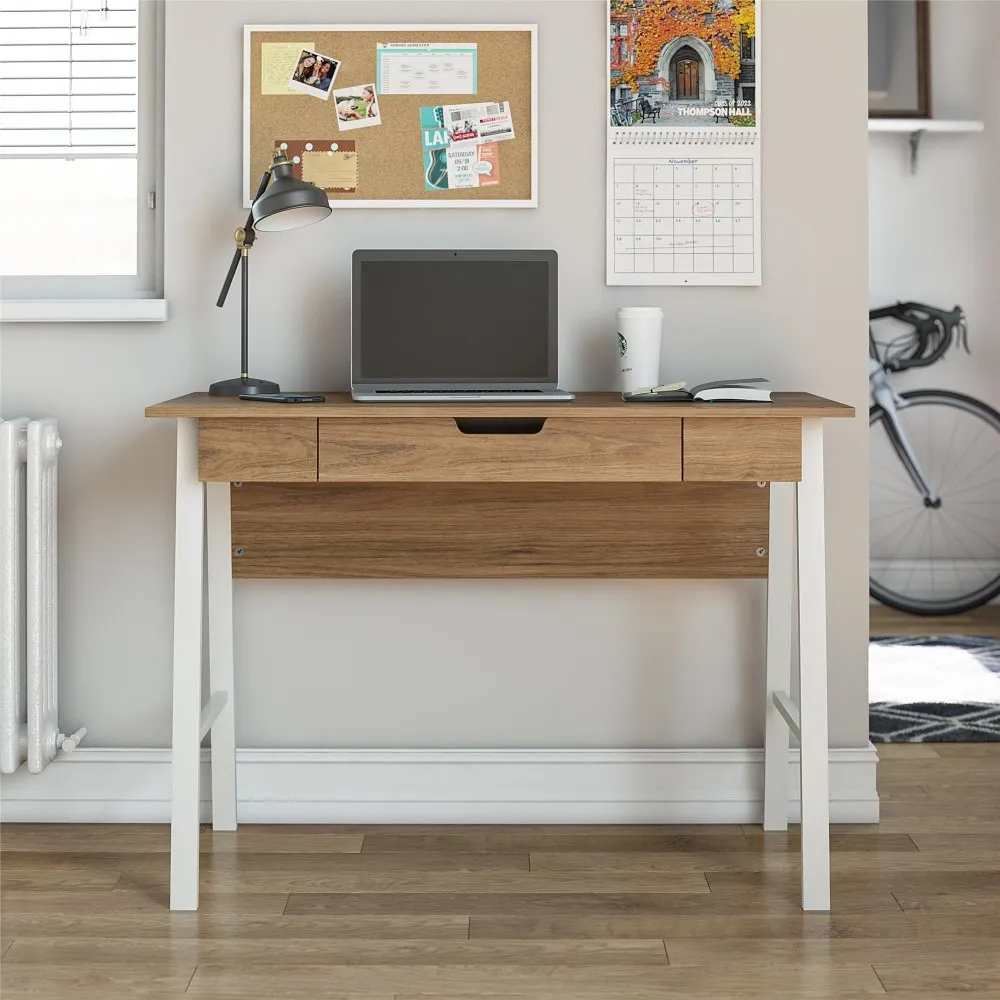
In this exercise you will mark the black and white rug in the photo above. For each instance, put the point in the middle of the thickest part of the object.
(934, 689)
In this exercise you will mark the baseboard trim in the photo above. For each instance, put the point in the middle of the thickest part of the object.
(94, 785)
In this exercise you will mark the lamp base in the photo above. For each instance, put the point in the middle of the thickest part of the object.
(242, 387)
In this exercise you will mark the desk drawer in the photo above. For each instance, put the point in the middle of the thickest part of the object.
(722, 450)
(257, 451)
(517, 449)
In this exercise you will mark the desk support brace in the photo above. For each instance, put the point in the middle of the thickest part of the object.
(211, 712)
(220, 654)
(789, 711)
(815, 769)
(189, 517)
(780, 608)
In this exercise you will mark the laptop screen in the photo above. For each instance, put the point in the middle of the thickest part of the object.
(454, 317)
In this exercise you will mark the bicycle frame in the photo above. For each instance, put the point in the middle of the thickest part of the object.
(891, 402)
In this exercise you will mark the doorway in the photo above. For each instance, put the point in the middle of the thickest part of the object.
(687, 80)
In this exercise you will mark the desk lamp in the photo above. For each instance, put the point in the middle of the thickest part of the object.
(289, 203)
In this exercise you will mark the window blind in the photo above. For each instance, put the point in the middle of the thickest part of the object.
(69, 78)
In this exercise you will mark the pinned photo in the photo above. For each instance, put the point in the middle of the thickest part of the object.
(314, 74)
(357, 107)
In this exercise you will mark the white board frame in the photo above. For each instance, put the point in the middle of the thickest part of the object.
(531, 202)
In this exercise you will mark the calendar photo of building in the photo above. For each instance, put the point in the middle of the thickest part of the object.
(682, 63)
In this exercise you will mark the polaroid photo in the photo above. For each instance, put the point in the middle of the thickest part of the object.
(357, 107)
(314, 74)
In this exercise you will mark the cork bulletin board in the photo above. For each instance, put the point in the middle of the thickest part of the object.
(388, 164)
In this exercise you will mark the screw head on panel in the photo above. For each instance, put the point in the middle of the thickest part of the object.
(761, 484)
(761, 551)
(238, 551)
(237, 485)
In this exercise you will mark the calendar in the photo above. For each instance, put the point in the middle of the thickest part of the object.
(684, 115)
(683, 209)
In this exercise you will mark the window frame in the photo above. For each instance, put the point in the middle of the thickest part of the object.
(89, 298)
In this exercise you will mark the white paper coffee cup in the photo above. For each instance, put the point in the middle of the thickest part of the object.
(640, 332)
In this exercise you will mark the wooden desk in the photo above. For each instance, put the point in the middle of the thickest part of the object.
(593, 488)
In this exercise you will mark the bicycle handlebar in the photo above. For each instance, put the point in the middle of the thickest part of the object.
(930, 325)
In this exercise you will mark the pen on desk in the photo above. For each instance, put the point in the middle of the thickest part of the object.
(672, 387)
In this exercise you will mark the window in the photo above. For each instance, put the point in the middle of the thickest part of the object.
(78, 148)
(747, 46)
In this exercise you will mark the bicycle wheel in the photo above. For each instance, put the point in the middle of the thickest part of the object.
(936, 559)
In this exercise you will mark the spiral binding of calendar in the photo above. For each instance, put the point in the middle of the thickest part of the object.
(685, 137)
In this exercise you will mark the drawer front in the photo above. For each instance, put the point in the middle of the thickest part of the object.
(257, 451)
(445, 449)
(719, 450)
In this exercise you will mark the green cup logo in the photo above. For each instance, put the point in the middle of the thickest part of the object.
(622, 345)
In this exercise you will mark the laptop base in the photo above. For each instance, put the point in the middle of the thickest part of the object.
(470, 396)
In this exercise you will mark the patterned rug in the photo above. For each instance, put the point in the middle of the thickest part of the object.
(934, 689)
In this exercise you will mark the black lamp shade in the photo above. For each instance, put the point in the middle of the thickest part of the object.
(289, 203)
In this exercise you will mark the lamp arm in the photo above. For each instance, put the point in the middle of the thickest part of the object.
(248, 241)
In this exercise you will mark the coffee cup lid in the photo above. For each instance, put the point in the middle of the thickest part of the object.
(640, 312)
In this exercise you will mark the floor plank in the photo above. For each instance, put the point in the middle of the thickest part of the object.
(786, 901)
(920, 975)
(829, 950)
(131, 899)
(250, 863)
(51, 981)
(69, 950)
(494, 838)
(719, 929)
(209, 924)
(214, 980)
(416, 883)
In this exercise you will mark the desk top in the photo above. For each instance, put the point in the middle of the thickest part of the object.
(586, 405)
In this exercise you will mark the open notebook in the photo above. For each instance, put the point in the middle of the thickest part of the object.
(746, 390)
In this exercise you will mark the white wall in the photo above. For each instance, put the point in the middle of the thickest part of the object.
(934, 234)
(514, 664)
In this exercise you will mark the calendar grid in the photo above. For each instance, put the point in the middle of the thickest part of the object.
(684, 215)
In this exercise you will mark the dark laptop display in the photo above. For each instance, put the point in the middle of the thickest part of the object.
(454, 320)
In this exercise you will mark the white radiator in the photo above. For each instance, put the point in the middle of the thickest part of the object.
(29, 660)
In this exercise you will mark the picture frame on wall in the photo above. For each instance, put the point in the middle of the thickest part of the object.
(899, 59)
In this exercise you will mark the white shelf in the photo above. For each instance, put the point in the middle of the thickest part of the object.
(923, 125)
(916, 128)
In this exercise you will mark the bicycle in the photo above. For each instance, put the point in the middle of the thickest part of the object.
(934, 473)
(622, 114)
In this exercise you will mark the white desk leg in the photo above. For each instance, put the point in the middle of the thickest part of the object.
(780, 564)
(815, 776)
(220, 654)
(188, 567)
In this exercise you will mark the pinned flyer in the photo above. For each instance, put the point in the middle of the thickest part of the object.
(476, 123)
(447, 166)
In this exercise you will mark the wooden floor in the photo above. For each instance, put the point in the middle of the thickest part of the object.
(982, 621)
(306, 913)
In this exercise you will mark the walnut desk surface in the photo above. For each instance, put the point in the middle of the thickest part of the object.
(590, 488)
(801, 405)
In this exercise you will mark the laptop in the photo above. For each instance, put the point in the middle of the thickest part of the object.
(455, 326)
